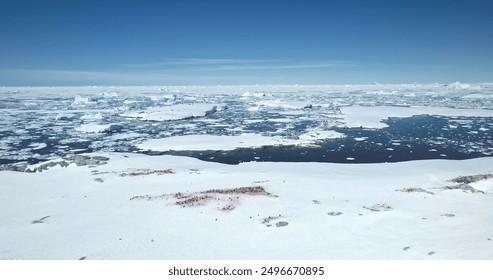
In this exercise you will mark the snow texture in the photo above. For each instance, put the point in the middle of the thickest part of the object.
(169, 207)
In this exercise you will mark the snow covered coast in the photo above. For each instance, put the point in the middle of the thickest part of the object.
(129, 206)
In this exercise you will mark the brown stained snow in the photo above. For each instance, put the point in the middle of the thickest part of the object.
(145, 172)
(471, 178)
(464, 187)
(224, 199)
(412, 190)
(268, 221)
(378, 207)
(133, 172)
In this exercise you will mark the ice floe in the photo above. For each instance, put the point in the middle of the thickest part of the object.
(93, 128)
(372, 116)
(225, 142)
(172, 112)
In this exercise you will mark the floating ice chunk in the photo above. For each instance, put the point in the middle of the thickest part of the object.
(31, 104)
(478, 96)
(38, 146)
(281, 120)
(93, 128)
(253, 94)
(459, 85)
(110, 94)
(64, 116)
(169, 96)
(286, 104)
(254, 109)
(124, 136)
(360, 138)
(79, 100)
(317, 135)
(92, 117)
(381, 92)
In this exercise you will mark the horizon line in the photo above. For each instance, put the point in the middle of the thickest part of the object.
(260, 84)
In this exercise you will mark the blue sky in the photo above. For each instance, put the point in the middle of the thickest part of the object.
(186, 42)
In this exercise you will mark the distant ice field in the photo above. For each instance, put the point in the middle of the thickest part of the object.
(233, 124)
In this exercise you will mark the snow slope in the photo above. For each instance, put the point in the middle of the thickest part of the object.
(168, 207)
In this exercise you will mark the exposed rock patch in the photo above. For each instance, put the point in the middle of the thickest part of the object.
(464, 187)
(448, 215)
(269, 221)
(472, 178)
(378, 207)
(79, 160)
(40, 221)
(281, 224)
(413, 190)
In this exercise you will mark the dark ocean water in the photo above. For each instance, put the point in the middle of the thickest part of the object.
(416, 138)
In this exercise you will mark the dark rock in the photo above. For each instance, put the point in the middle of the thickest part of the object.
(40, 221)
(410, 190)
(472, 178)
(281, 224)
(464, 187)
(378, 207)
(448, 215)
(100, 158)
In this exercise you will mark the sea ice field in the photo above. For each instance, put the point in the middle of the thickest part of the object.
(402, 171)
(374, 123)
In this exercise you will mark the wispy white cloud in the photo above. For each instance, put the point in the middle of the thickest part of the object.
(173, 71)
(49, 77)
(280, 66)
(55, 77)
(192, 62)
(220, 64)
(213, 61)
